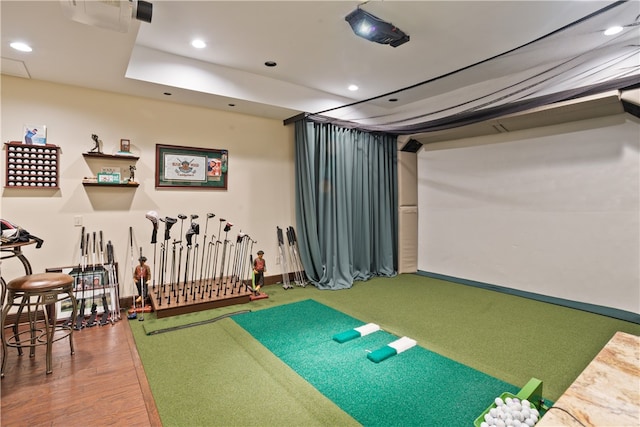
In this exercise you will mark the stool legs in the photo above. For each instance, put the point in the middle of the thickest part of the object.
(5, 311)
(46, 301)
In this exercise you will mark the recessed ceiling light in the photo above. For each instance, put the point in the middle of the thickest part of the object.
(612, 30)
(198, 44)
(270, 63)
(22, 47)
(353, 88)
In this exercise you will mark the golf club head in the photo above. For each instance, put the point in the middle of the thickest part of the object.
(153, 217)
(168, 223)
(194, 216)
(189, 236)
(210, 215)
(195, 228)
(182, 216)
(227, 227)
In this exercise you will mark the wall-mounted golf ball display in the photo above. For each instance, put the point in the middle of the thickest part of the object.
(31, 166)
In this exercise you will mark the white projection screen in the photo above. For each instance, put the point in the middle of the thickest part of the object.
(553, 210)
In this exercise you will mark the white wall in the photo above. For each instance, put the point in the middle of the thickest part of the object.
(554, 210)
(260, 179)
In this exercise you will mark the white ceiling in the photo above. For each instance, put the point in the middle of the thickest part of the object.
(316, 52)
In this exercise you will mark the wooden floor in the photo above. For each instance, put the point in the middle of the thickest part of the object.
(102, 384)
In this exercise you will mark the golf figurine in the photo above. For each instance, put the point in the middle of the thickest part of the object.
(96, 147)
(132, 174)
(259, 268)
(141, 276)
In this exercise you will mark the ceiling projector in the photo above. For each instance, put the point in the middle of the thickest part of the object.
(109, 14)
(375, 29)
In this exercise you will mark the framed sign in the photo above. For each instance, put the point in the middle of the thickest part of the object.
(108, 178)
(191, 167)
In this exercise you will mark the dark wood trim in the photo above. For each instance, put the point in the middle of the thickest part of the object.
(111, 156)
(147, 395)
(12, 317)
(106, 184)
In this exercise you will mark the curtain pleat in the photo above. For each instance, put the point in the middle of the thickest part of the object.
(346, 204)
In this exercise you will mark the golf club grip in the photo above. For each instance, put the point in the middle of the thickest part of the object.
(82, 243)
(110, 259)
(280, 236)
(154, 233)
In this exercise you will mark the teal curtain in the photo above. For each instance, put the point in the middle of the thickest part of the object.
(346, 204)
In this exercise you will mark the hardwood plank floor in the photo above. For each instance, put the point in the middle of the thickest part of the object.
(102, 384)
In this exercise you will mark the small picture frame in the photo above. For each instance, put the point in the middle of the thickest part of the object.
(35, 135)
(108, 178)
(125, 146)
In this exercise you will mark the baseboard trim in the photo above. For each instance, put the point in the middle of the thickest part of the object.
(615, 313)
(12, 318)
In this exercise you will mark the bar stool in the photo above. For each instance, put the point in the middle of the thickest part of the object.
(35, 292)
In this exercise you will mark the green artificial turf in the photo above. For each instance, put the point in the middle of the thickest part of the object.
(416, 387)
(217, 374)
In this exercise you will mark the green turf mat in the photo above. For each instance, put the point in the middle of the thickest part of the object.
(416, 387)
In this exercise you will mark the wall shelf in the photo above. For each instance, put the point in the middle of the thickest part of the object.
(111, 156)
(106, 184)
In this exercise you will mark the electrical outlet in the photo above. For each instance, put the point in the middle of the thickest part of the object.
(77, 221)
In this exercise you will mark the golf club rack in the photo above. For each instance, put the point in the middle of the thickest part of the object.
(195, 271)
(95, 283)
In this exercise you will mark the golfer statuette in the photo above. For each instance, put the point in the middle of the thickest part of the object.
(97, 143)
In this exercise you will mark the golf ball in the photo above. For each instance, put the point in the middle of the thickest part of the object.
(511, 412)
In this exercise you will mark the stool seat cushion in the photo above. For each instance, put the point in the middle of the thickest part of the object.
(40, 282)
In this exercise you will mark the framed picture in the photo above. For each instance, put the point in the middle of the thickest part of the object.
(108, 178)
(191, 167)
(125, 146)
(64, 307)
(90, 283)
(88, 278)
(35, 135)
